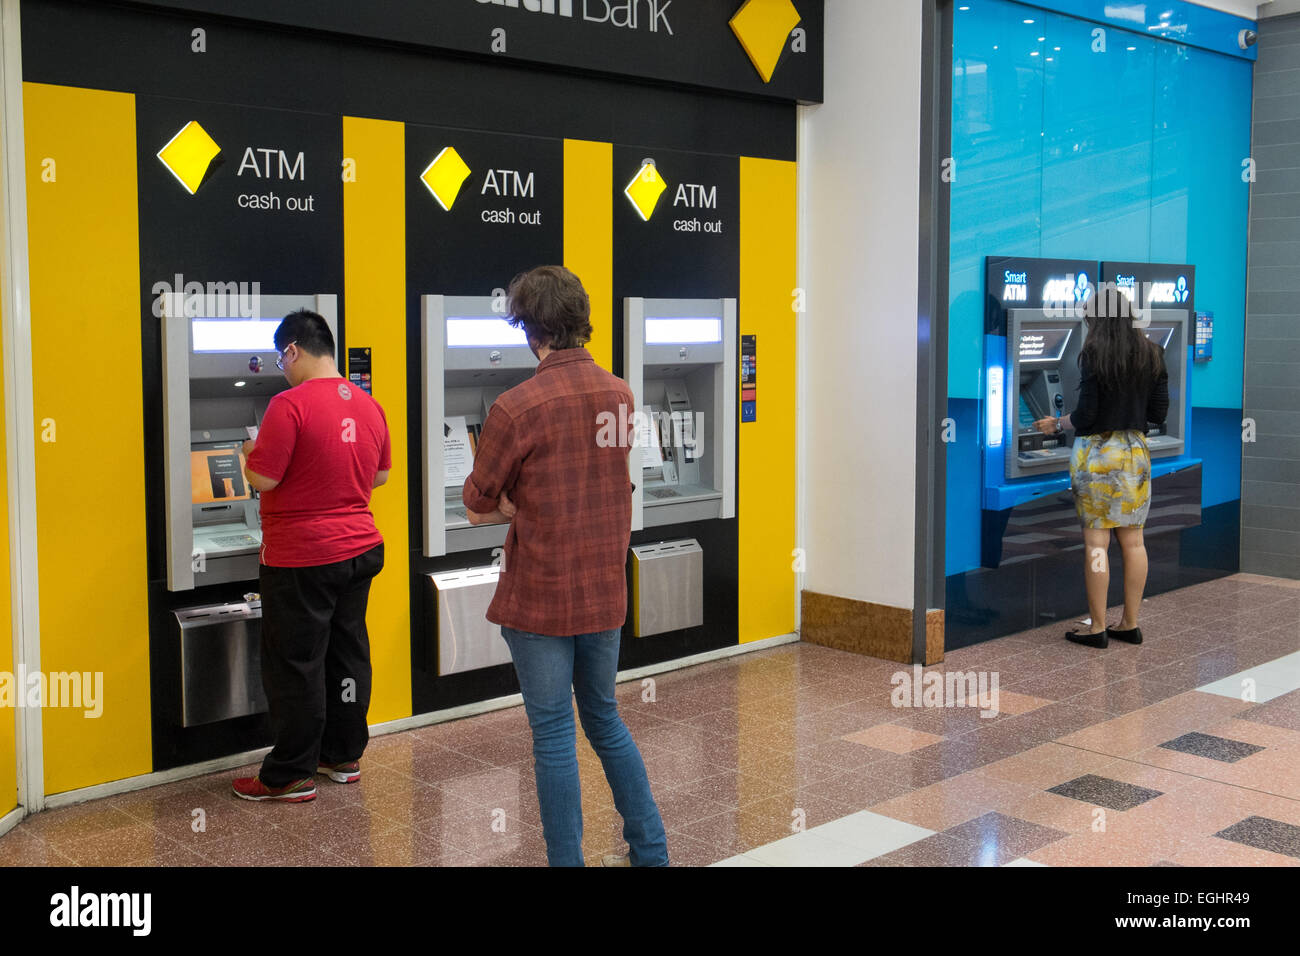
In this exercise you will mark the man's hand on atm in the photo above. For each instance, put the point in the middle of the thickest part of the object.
(502, 514)
(1051, 425)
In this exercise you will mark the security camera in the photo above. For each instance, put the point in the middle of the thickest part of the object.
(1247, 39)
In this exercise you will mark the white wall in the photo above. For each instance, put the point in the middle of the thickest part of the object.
(1240, 8)
(859, 154)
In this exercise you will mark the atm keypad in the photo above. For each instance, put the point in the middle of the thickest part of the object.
(235, 541)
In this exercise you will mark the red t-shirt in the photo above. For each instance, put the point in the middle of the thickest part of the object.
(323, 440)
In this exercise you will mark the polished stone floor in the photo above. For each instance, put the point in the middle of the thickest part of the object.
(1184, 751)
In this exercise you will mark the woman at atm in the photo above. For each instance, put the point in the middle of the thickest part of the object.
(1123, 386)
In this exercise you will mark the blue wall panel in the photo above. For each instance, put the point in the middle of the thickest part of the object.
(1097, 114)
(1200, 201)
(997, 195)
(1068, 147)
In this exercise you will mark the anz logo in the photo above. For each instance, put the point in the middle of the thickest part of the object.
(1169, 291)
(1069, 289)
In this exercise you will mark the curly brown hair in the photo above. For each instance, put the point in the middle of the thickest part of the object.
(552, 306)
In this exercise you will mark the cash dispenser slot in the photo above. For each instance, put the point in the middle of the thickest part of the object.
(465, 639)
(680, 363)
(470, 355)
(667, 587)
(221, 662)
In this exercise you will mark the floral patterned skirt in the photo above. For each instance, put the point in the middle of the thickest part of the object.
(1110, 475)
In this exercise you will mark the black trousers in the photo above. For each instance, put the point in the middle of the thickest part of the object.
(316, 664)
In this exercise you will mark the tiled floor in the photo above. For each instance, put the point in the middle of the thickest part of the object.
(796, 756)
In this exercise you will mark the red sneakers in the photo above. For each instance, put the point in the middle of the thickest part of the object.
(252, 788)
(341, 772)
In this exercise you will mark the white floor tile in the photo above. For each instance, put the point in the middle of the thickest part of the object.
(807, 849)
(741, 860)
(1024, 861)
(873, 833)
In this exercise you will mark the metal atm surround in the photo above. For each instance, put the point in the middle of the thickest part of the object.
(1028, 452)
(459, 381)
(466, 639)
(709, 372)
(199, 408)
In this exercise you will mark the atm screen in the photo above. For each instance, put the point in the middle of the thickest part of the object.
(218, 475)
(234, 335)
(1043, 345)
(1159, 336)
(479, 332)
(690, 331)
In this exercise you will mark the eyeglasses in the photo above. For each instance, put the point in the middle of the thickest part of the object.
(279, 362)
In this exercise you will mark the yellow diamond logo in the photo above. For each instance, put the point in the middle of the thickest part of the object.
(645, 189)
(444, 176)
(189, 154)
(762, 27)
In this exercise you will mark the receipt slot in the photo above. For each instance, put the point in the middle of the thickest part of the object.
(219, 375)
(1043, 362)
(679, 360)
(470, 355)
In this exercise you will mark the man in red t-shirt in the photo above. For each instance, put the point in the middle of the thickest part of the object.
(322, 447)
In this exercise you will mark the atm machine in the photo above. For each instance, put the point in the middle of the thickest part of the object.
(1034, 332)
(470, 355)
(1042, 382)
(679, 359)
(1164, 297)
(219, 375)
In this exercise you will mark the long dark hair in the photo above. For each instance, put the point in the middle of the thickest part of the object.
(1116, 351)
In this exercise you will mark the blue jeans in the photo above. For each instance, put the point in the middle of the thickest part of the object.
(549, 668)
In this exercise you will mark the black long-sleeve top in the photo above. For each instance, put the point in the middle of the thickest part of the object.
(1131, 408)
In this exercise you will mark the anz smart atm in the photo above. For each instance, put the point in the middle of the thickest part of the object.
(1164, 297)
(679, 360)
(470, 355)
(219, 375)
(1034, 332)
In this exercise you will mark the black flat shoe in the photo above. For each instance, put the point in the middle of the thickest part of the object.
(1131, 637)
(1083, 637)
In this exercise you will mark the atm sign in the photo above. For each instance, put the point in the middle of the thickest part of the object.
(1016, 286)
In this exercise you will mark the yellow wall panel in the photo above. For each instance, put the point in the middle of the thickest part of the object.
(86, 367)
(766, 484)
(8, 718)
(589, 236)
(374, 282)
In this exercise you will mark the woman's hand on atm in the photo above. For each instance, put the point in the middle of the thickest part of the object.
(1048, 426)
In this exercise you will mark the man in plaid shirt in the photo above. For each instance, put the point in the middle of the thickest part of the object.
(545, 464)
